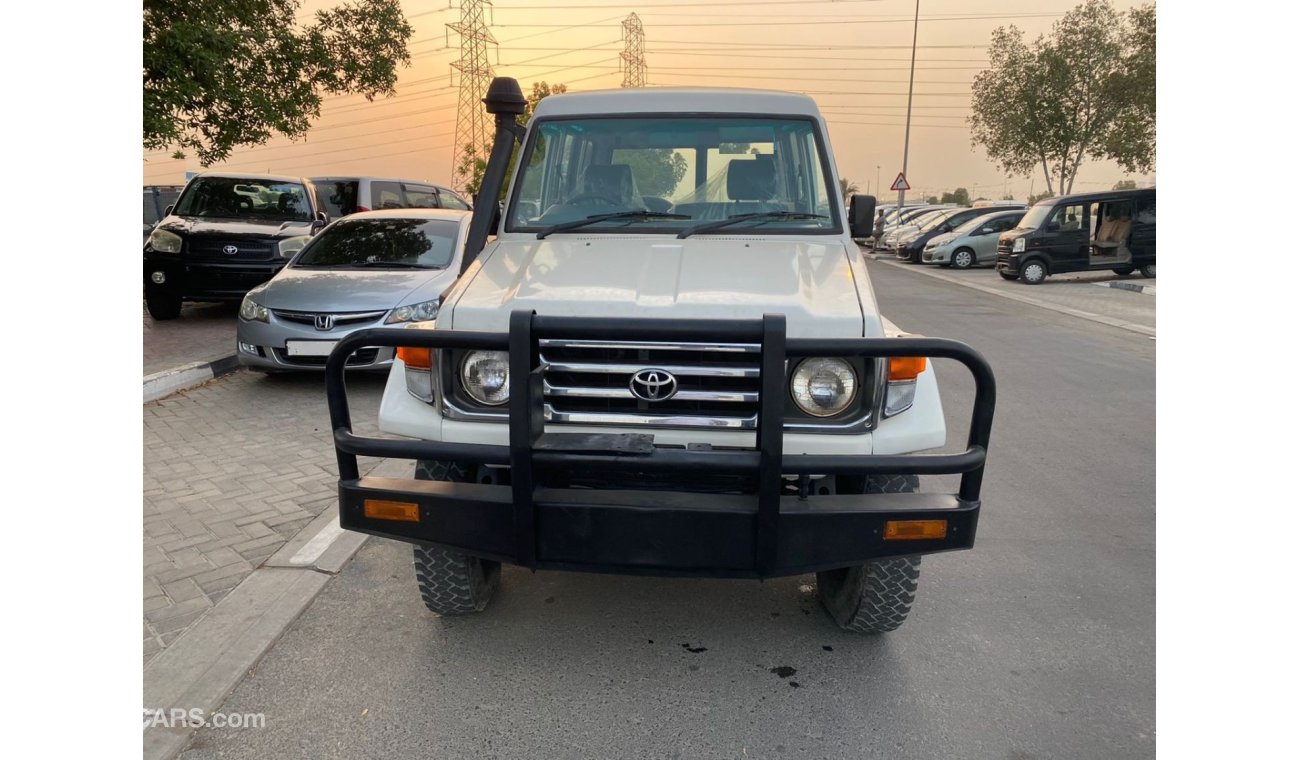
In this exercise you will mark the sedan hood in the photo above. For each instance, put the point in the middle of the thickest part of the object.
(343, 290)
(233, 228)
(943, 239)
(812, 283)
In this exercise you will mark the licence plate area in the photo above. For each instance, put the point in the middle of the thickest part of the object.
(309, 347)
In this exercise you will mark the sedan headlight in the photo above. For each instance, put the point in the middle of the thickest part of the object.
(290, 246)
(416, 312)
(252, 311)
(485, 375)
(1018, 246)
(163, 241)
(823, 387)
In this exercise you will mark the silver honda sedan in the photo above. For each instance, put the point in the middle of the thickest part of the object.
(372, 269)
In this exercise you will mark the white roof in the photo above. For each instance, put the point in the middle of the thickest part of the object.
(677, 100)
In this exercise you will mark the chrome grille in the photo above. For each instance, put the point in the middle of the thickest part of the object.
(590, 382)
(340, 320)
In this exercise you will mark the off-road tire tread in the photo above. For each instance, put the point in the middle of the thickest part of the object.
(452, 583)
(886, 588)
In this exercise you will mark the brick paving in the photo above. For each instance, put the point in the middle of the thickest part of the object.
(203, 333)
(232, 470)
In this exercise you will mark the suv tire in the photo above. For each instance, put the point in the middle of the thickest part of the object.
(452, 583)
(1148, 271)
(875, 597)
(162, 306)
(1122, 270)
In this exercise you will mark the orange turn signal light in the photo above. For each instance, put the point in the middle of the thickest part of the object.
(905, 367)
(415, 358)
(910, 530)
(401, 511)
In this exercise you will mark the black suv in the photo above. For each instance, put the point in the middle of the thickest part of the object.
(227, 234)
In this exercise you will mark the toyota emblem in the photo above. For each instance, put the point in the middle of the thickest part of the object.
(230, 250)
(653, 385)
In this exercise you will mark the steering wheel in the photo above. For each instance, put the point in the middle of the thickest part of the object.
(589, 197)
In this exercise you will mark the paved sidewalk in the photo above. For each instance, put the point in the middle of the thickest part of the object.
(204, 332)
(232, 470)
(1075, 293)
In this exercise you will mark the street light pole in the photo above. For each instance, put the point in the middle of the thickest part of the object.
(911, 77)
(879, 189)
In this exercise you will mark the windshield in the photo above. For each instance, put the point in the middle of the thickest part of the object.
(686, 170)
(921, 220)
(239, 198)
(939, 219)
(970, 225)
(379, 243)
(1036, 216)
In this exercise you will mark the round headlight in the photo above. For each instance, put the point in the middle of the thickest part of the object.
(823, 387)
(486, 377)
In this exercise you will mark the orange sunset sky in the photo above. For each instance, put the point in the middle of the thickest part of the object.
(851, 56)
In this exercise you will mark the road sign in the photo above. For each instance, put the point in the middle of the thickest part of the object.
(900, 183)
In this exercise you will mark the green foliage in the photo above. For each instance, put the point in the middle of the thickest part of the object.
(1008, 197)
(1087, 91)
(1125, 184)
(960, 196)
(237, 72)
(1031, 200)
(657, 172)
(932, 199)
(847, 187)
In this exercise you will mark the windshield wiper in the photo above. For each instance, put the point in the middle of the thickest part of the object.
(575, 224)
(389, 265)
(766, 216)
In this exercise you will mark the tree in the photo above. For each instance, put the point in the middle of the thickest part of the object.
(960, 196)
(933, 200)
(657, 171)
(1125, 184)
(1031, 200)
(1008, 197)
(219, 75)
(847, 187)
(1080, 93)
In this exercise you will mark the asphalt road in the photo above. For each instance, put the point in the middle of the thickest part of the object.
(1038, 643)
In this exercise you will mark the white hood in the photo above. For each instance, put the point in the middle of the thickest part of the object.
(812, 283)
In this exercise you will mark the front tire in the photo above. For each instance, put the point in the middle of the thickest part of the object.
(1121, 271)
(1033, 273)
(963, 258)
(1008, 276)
(875, 597)
(162, 306)
(452, 583)
(1148, 271)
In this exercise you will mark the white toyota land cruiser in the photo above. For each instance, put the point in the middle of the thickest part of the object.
(668, 362)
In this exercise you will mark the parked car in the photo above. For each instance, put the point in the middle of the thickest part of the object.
(341, 196)
(705, 391)
(906, 223)
(368, 269)
(1113, 230)
(975, 242)
(910, 248)
(227, 234)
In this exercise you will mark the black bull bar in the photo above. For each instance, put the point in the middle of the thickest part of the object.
(657, 532)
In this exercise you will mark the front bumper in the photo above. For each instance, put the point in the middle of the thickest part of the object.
(759, 532)
(269, 344)
(207, 280)
(936, 256)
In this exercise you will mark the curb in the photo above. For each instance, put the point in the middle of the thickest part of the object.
(1098, 318)
(169, 381)
(1133, 286)
(207, 662)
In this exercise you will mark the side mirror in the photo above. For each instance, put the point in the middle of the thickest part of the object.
(321, 216)
(168, 211)
(862, 209)
(317, 226)
(987, 230)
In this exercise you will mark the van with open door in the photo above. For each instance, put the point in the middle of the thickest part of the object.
(1075, 233)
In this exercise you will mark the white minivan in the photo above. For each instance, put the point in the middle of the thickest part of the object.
(341, 196)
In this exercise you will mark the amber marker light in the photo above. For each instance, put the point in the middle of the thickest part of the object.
(400, 511)
(905, 367)
(911, 530)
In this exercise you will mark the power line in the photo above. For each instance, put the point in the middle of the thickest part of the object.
(840, 21)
